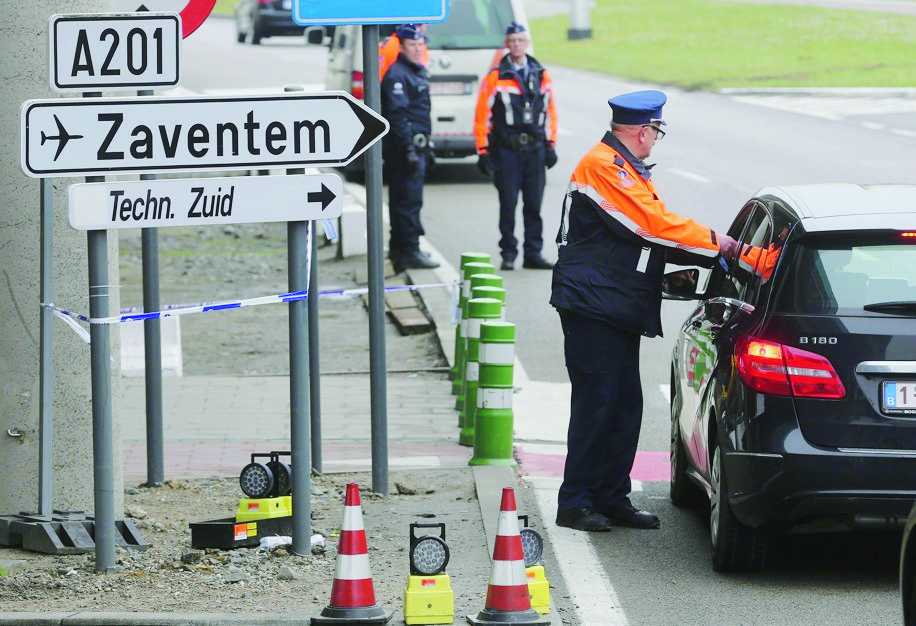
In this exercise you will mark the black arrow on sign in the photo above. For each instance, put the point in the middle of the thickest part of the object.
(373, 128)
(325, 196)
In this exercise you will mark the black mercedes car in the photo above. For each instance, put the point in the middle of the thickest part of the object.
(793, 382)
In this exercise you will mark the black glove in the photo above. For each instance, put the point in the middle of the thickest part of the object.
(550, 156)
(413, 160)
(484, 164)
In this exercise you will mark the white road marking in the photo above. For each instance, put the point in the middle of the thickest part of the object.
(593, 595)
(687, 174)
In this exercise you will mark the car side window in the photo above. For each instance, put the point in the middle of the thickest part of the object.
(754, 262)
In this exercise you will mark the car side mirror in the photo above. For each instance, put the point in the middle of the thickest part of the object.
(681, 285)
(316, 36)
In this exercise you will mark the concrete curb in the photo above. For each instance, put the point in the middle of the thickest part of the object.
(154, 619)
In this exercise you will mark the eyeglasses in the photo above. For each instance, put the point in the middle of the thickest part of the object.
(659, 133)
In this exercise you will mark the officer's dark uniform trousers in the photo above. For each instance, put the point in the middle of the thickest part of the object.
(405, 199)
(515, 169)
(606, 412)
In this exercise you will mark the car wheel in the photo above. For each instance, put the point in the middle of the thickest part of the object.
(735, 547)
(683, 492)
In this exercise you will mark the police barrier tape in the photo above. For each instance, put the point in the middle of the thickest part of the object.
(174, 310)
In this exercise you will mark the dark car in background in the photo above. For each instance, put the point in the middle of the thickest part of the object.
(793, 383)
(257, 19)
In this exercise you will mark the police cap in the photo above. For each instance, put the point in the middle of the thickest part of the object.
(514, 27)
(638, 107)
(408, 31)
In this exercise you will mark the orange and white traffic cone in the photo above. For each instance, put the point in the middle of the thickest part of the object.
(352, 594)
(507, 595)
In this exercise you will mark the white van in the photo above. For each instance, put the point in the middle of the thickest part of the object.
(462, 49)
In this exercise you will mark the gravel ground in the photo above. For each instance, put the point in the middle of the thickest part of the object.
(170, 576)
(243, 261)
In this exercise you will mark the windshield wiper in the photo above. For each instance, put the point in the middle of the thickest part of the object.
(892, 307)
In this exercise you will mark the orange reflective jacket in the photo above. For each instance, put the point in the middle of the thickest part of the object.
(503, 99)
(613, 241)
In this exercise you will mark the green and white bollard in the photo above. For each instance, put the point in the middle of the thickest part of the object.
(488, 291)
(467, 257)
(494, 420)
(475, 281)
(470, 268)
(479, 311)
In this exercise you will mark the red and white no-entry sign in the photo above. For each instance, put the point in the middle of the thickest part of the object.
(193, 12)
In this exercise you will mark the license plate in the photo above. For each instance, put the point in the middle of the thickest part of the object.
(453, 88)
(898, 397)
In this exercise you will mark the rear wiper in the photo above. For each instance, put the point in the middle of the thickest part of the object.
(892, 307)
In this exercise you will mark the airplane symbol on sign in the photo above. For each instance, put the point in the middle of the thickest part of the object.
(62, 138)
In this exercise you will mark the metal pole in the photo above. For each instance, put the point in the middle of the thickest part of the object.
(314, 355)
(299, 325)
(300, 464)
(377, 389)
(100, 363)
(152, 350)
(46, 365)
(102, 453)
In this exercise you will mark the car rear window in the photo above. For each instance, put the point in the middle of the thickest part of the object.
(829, 276)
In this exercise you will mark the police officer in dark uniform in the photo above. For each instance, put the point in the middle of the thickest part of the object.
(406, 149)
(515, 130)
(615, 237)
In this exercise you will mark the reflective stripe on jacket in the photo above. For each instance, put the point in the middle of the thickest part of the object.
(503, 100)
(613, 240)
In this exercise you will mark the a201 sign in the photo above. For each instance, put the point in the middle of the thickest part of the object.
(114, 51)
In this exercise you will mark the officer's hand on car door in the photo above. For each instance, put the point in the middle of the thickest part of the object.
(728, 247)
(550, 156)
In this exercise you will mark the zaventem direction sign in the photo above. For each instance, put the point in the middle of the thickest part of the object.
(193, 12)
(325, 12)
(205, 201)
(114, 52)
(98, 136)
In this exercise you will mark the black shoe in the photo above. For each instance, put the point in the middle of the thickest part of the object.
(584, 518)
(537, 263)
(416, 261)
(631, 517)
(507, 266)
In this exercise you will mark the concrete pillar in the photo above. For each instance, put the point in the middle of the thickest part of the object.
(24, 76)
(579, 21)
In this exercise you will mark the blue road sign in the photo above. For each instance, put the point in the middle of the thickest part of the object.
(329, 12)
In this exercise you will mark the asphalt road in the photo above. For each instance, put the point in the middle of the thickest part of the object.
(719, 150)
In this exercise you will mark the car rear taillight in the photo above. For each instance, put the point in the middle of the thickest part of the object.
(356, 85)
(908, 235)
(781, 370)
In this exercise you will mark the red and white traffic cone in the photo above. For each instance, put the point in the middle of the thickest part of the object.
(508, 601)
(352, 594)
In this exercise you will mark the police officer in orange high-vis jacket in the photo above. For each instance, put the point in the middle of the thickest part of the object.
(515, 131)
(615, 237)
